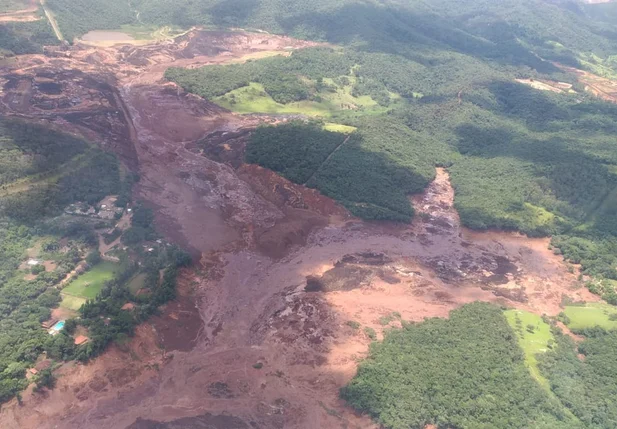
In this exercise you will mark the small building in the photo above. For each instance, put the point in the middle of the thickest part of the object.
(81, 339)
(129, 306)
(33, 371)
(49, 323)
(33, 262)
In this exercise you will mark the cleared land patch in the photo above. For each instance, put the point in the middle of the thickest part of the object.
(339, 128)
(315, 82)
(532, 341)
(72, 302)
(90, 284)
(590, 315)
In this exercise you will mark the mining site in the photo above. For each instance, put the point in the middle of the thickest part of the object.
(260, 334)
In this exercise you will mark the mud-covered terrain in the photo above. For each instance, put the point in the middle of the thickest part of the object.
(260, 335)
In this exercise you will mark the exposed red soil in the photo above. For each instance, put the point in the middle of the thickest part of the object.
(601, 87)
(247, 344)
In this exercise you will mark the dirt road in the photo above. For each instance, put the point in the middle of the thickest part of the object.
(259, 335)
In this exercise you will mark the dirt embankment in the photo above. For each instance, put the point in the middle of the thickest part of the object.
(260, 336)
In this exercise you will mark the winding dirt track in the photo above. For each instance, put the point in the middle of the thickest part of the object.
(246, 345)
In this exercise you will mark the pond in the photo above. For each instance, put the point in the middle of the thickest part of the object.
(105, 36)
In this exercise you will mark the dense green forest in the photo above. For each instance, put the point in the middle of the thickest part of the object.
(27, 150)
(454, 373)
(42, 172)
(497, 29)
(587, 385)
(76, 18)
(18, 38)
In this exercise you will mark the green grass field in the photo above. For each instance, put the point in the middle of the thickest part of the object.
(90, 284)
(531, 343)
(590, 315)
(339, 128)
(12, 5)
(254, 99)
(72, 302)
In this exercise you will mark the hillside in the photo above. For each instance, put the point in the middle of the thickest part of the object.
(521, 159)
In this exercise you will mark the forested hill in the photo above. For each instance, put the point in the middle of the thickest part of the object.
(461, 24)
(438, 83)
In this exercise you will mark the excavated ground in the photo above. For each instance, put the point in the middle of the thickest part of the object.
(258, 337)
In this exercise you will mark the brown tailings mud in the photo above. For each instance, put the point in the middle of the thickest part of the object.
(259, 336)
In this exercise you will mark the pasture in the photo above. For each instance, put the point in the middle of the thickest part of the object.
(71, 302)
(590, 315)
(531, 342)
(89, 284)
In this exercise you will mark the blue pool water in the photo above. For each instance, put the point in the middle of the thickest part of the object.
(58, 326)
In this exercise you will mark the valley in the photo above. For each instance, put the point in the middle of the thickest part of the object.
(288, 288)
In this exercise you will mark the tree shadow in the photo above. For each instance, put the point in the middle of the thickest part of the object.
(233, 12)
(413, 35)
(374, 183)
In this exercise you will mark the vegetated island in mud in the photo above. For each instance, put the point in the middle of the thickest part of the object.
(260, 335)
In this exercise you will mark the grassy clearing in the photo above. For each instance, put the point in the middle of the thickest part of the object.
(259, 55)
(532, 342)
(590, 315)
(151, 32)
(90, 284)
(339, 128)
(71, 302)
(254, 99)
(137, 283)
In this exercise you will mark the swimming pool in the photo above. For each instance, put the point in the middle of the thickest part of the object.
(57, 327)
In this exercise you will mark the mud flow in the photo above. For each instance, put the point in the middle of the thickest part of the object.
(270, 323)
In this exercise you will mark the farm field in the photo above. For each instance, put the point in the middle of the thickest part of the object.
(89, 284)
